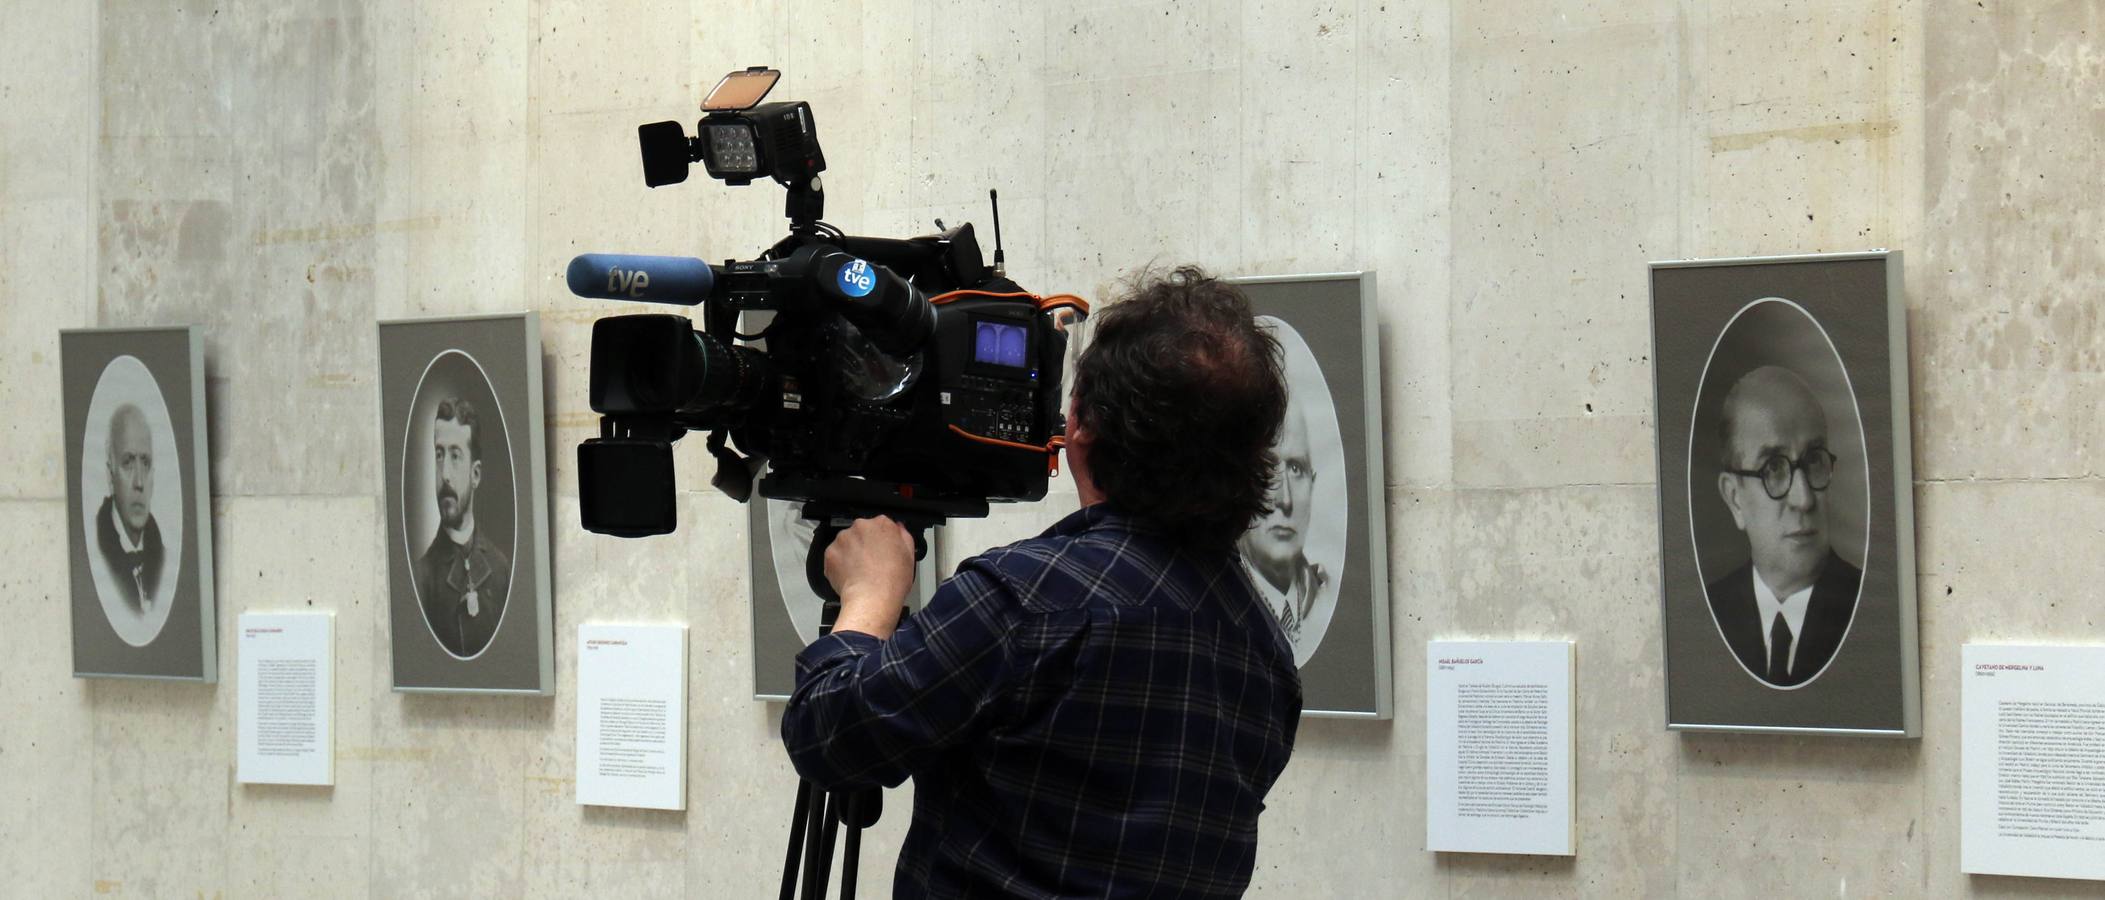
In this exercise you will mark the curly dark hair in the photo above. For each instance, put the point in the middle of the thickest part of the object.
(456, 409)
(1184, 395)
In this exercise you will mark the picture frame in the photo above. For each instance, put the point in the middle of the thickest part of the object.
(469, 593)
(139, 503)
(1320, 560)
(1786, 495)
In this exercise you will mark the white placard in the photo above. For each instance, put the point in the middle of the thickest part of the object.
(287, 698)
(632, 716)
(2032, 761)
(1498, 747)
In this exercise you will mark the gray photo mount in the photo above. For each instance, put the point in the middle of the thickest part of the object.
(158, 375)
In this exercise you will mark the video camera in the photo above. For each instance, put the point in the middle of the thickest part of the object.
(898, 376)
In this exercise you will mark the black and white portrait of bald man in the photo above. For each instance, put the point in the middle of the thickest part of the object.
(125, 530)
(1785, 612)
(137, 502)
(1276, 545)
(1294, 552)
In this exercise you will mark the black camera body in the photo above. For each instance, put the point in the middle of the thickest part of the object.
(897, 376)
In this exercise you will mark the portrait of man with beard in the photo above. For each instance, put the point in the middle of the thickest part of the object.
(464, 469)
(463, 577)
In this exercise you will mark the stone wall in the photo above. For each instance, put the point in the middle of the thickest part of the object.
(287, 174)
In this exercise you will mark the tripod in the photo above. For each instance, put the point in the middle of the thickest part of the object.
(813, 826)
(815, 822)
(818, 815)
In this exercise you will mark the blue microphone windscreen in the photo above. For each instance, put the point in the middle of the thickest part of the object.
(657, 279)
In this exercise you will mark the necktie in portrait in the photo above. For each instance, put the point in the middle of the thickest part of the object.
(1779, 649)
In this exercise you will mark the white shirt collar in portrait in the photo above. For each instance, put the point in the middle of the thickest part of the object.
(1281, 602)
(124, 536)
(463, 534)
(1793, 609)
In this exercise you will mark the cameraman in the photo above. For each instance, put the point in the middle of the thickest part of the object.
(1099, 710)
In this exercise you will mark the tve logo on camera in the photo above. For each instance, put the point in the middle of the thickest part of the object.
(857, 279)
(630, 283)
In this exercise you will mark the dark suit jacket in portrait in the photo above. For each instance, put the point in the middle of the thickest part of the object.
(1827, 617)
(447, 575)
(133, 572)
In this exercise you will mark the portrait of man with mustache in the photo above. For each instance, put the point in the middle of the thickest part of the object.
(462, 577)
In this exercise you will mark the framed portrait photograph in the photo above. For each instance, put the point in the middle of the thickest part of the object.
(139, 503)
(784, 608)
(1319, 559)
(1786, 503)
(466, 485)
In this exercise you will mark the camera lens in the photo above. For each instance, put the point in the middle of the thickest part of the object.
(658, 365)
(731, 377)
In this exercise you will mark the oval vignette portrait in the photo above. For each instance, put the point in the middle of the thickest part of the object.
(1779, 488)
(789, 537)
(458, 509)
(131, 485)
(1296, 553)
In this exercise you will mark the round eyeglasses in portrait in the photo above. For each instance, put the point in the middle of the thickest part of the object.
(1779, 494)
(1777, 471)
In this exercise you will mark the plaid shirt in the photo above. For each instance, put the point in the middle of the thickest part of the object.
(1086, 713)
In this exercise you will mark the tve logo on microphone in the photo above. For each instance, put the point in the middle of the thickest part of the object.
(857, 278)
(630, 283)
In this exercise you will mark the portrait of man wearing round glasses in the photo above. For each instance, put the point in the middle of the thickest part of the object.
(1785, 612)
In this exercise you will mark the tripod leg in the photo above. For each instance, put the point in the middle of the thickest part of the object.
(859, 809)
(832, 831)
(796, 840)
(848, 862)
(818, 846)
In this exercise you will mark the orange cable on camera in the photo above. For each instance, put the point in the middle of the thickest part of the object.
(1068, 300)
(1051, 449)
(948, 296)
(1043, 303)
